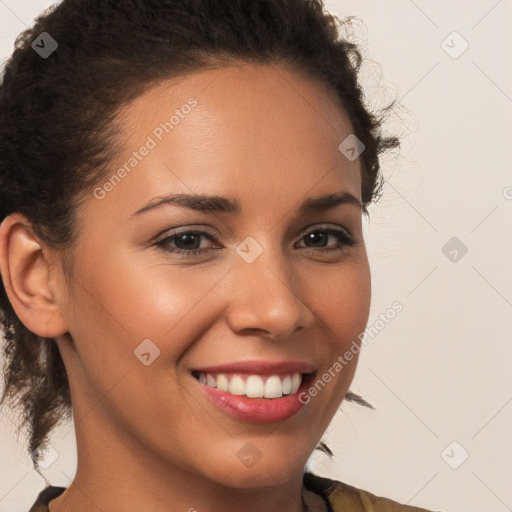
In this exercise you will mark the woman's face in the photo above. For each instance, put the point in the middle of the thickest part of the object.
(264, 286)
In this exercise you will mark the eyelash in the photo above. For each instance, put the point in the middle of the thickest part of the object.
(164, 244)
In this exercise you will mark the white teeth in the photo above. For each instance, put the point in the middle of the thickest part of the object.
(296, 380)
(273, 387)
(222, 383)
(254, 386)
(287, 385)
(237, 386)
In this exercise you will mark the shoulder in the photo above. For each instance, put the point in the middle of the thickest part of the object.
(340, 497)
(344, 498)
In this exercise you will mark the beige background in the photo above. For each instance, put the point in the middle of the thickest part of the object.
(438, 373)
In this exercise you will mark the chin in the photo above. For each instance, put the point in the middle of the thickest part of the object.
(250, 469)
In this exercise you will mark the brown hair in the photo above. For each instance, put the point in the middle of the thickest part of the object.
(58, 125)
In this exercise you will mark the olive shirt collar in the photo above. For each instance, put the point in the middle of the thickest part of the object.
(319, 494)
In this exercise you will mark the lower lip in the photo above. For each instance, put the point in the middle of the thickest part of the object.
(256, 410)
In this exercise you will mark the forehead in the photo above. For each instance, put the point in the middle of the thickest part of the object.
(271, 115)
(252, 132)
(245, 87)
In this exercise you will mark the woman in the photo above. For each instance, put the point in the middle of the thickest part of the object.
(181, 249)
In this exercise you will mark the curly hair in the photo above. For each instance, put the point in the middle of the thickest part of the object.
(59, 131)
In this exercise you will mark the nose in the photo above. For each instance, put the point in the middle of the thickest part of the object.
(266, 299)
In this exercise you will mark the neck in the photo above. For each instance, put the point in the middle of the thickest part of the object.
(115, 472)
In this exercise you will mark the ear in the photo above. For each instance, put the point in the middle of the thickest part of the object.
(31, 288)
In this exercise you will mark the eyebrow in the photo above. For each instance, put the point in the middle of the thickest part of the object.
(205, 203)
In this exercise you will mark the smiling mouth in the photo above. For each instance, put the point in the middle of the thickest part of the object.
(250, 385)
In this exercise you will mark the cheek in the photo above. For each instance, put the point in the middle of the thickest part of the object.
(125, 300)
(113, 309)
(342, 296)
(131, 300)
(339, 297)
(341, 302)
(122, 306)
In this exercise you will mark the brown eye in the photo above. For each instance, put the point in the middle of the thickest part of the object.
(185, 243)
(319, 237)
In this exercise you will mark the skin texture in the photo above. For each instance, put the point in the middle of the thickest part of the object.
(147, 437)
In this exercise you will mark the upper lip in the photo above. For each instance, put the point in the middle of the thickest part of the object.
(260, 367)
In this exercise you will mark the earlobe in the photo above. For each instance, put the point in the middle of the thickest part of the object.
(27, 279)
